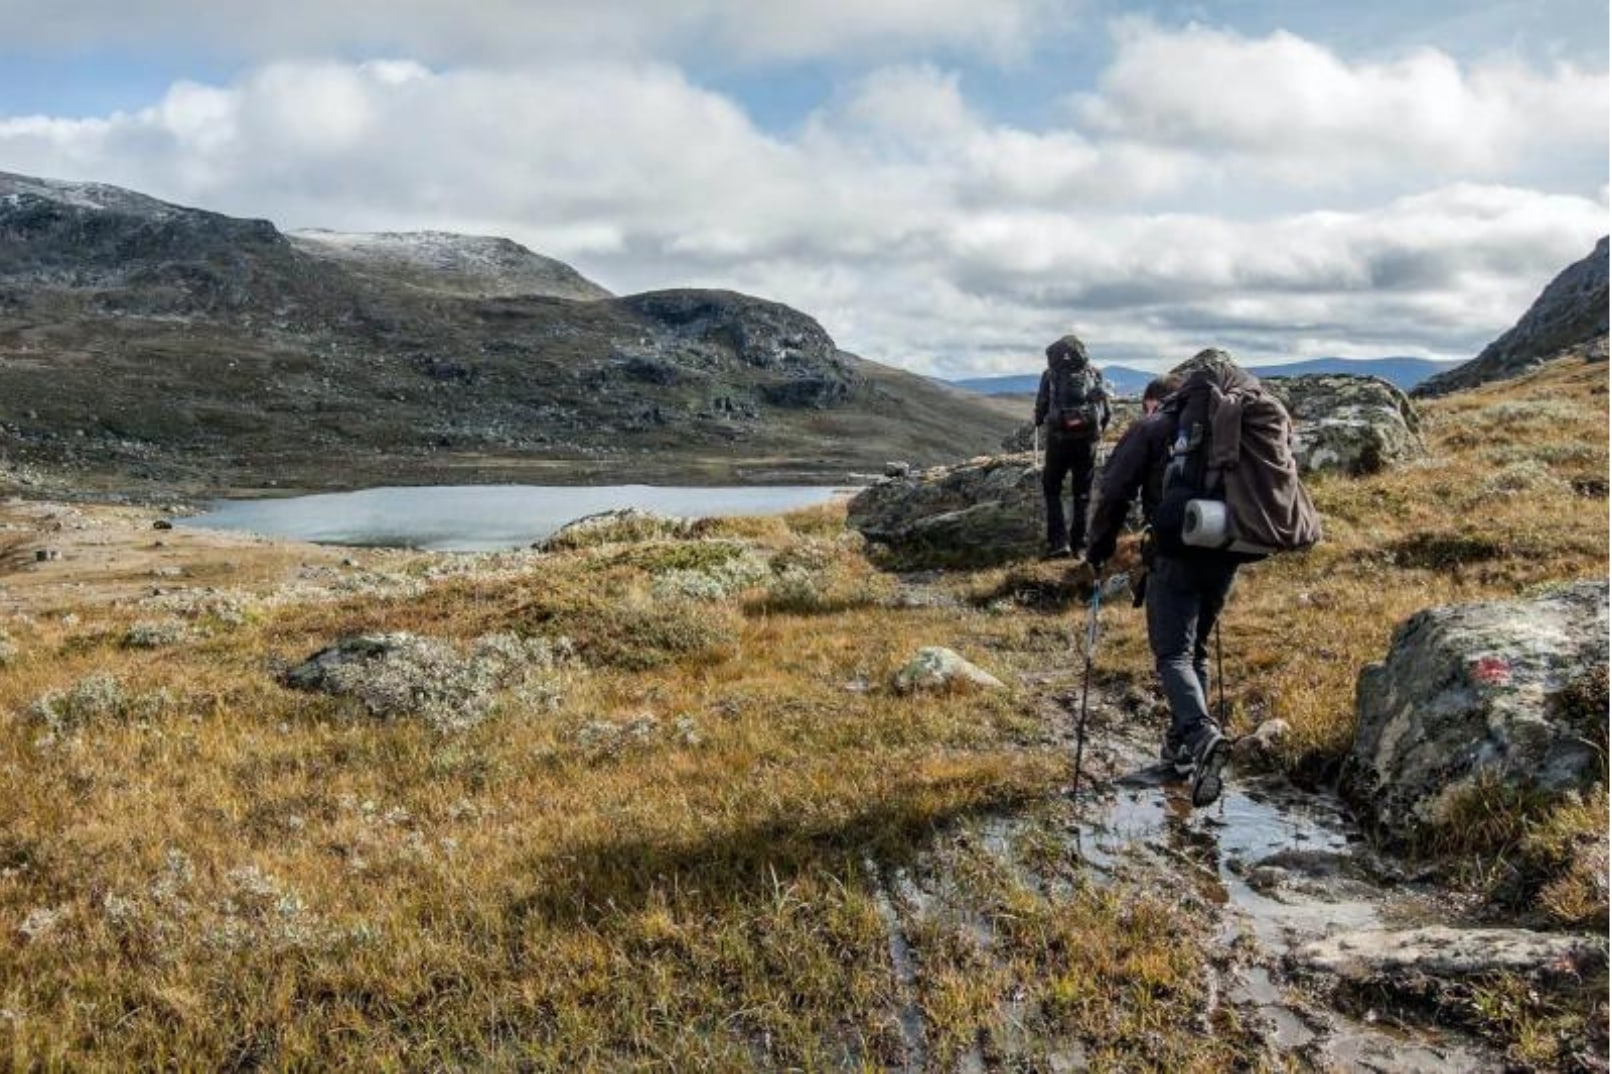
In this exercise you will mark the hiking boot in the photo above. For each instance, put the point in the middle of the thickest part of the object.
(1207, 763)
(1178, 755)
(1061, 552)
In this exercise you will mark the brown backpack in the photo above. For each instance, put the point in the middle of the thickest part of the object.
(1233, 482)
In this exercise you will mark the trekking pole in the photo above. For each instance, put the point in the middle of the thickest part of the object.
(1220, 675)
(1085, 688)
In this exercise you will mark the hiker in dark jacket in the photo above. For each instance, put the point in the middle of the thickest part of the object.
(1186, 587)
(1073, 406)
(1136, 464)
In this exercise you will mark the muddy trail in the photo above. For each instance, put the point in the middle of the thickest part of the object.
(1268, 876)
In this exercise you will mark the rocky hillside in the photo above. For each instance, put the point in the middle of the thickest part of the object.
(150, 346)
(1569, 316)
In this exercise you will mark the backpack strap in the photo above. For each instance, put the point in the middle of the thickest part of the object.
(1225, 427)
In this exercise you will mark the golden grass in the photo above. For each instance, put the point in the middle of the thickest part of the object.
(669, 869)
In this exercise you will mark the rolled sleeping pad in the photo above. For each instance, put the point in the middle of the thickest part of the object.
(1208, 525)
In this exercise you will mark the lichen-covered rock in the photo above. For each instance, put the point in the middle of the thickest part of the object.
(405, 676)
(986, 511)
(938, 668)
(619, 525)
(1503, 691)
(1344, 423)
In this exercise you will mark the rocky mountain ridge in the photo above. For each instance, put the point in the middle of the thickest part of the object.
(149, 344)
(1569, 316)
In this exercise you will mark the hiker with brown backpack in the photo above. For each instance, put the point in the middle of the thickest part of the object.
(1072, 404)
(1219, 452)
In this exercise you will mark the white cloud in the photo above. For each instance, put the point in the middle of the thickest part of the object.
(917, 229)
(1307, 115)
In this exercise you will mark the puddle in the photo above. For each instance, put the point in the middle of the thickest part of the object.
(1227, 845)
(1255, 988)
(1288, 867)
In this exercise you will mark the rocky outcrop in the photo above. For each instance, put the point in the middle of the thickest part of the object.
(1568, 317)
(1348, 424)
(712, 329)
(1438, 965)
(1512, 692)
(986, 511)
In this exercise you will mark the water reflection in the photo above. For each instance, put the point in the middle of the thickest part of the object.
(484, 518)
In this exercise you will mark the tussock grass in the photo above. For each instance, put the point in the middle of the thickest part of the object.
(660, 865)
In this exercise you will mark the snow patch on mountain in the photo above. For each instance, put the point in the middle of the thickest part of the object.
(444, 260)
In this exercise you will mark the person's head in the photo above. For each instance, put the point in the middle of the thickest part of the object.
(1158, 389)
(1208, 358)
(1066, 348)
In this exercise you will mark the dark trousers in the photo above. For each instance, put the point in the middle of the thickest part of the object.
(1184, 598)
(1075, 459)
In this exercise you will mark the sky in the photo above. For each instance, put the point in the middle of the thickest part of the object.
(946, 185)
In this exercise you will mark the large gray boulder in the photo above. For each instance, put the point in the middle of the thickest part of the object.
(1346, 423)
(1504, 691)
(986, 511)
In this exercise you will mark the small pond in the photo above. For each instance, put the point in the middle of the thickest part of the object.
(484, 518)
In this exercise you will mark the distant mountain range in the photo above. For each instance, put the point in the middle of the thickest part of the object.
(1403, 373)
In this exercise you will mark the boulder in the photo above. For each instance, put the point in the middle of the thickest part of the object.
(983, 512)
(1346, 423)
(1261, 750)
(937, 668)
(1384, 956)
(1513, 691)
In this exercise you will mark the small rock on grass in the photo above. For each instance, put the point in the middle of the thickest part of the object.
(938, 668)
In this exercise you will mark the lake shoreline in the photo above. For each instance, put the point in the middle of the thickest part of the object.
(486, 518)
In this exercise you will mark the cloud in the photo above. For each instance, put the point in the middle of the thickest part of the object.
(1304, 114)
(526, 31)
(918, 229)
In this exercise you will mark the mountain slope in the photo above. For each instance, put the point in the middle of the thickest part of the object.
(1570, 314)
(146, 342)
